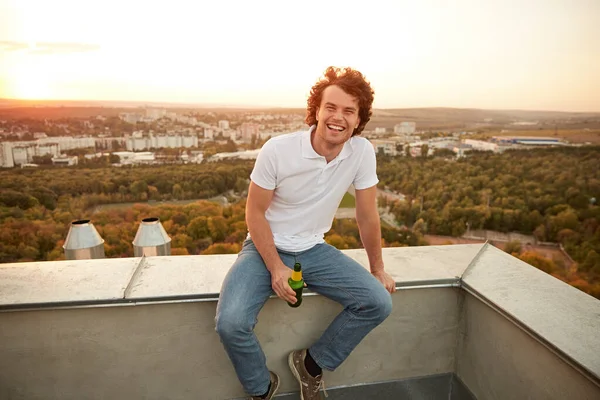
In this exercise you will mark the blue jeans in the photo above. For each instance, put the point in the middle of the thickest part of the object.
(326, 271)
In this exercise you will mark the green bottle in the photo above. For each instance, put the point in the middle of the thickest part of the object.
(297, 283)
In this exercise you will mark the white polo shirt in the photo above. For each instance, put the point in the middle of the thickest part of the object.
(307, 189)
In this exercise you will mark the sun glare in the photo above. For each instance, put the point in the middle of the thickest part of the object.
(31, 87)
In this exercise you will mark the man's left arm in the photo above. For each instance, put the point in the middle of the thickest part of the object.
(369, 226)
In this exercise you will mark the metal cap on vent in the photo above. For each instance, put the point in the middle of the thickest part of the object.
(151, 239)
(83, 241)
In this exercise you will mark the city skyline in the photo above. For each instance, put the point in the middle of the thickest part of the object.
(538, 55)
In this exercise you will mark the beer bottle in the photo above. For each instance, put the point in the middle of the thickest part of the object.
(297, 283)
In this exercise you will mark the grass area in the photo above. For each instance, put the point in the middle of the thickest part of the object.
(348, 201)
(154, 203)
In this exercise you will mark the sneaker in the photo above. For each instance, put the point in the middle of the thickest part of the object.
(309, 386)
(273, 390)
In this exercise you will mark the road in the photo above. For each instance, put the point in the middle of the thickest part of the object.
(390, 195)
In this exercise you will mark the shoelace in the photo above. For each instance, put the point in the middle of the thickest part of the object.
(319, 386)
(322, 384)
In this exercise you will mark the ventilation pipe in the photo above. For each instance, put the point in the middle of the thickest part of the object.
(151, 239)
(83, 241)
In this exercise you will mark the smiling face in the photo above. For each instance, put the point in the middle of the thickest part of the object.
(337, 118)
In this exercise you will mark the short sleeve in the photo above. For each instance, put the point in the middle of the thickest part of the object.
(264, 173)
(366, 176)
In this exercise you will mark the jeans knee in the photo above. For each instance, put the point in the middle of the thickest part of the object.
(381, 305)
(230, 327)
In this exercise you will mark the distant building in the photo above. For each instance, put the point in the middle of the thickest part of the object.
(249, 129)
(387, 147)
(108, 143)
(47, 148)
(6, 155)
(209, 133)
(64, 160)
(196, 157)
(131, 118)
(224, 125)
(405, 128)
(379, 130)
(186, 120)
(69, 142)
(23, 152)
(155, 113)
(482, 145)
(244, 155)
(228, 133)
(137, 141)
(527, 140)
(461, 149)
(525, 123)
(129, 157)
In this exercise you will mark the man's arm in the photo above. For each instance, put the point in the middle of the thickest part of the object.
(257, 204)
(369, 226)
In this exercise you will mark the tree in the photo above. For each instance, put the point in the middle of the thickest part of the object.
(336, 241)
(420, 226)
(177, 191)
(138, 187)
(218, 228)
(198, 228)
(222, 248)
(538, 261)
(591, 263)
(513, 247)
(12, 198)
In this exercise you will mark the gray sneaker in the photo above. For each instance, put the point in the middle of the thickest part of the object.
(272, 390)
(309, 386)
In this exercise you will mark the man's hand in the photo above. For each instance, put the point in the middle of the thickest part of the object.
(279, 282)
(387, 281)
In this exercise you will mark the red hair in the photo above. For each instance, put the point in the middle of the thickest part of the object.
(350, 81)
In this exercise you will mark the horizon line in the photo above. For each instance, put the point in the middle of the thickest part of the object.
(171, 104)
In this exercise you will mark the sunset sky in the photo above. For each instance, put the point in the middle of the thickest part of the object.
(509, 54)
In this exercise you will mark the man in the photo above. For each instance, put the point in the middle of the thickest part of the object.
(296, 186)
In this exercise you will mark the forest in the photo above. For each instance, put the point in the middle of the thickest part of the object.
(548, 193)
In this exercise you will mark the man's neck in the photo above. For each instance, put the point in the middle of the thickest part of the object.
(325, 149)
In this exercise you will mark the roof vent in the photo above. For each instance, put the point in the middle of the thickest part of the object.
(83, 241)
(151, 239)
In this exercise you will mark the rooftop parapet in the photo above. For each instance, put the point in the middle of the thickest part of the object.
(143, 327)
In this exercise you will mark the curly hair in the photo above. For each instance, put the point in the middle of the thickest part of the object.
(350, 81)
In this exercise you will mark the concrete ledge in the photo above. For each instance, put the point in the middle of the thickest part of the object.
(128, 280)
(564, 318)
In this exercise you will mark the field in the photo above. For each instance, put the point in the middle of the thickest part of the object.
(348, 201)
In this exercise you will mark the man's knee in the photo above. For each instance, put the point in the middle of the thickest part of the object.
(231, 326)
(380, 305)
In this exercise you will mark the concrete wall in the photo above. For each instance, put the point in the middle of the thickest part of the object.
(123, 345)
(498, 360)
(170, 351)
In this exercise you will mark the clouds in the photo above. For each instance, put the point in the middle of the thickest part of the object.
(46, 48)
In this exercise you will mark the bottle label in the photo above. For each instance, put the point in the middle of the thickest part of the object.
(296, 275)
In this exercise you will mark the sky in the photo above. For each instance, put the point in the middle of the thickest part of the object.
(494, 54)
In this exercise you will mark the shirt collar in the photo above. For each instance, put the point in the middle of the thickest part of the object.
(309, 152)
